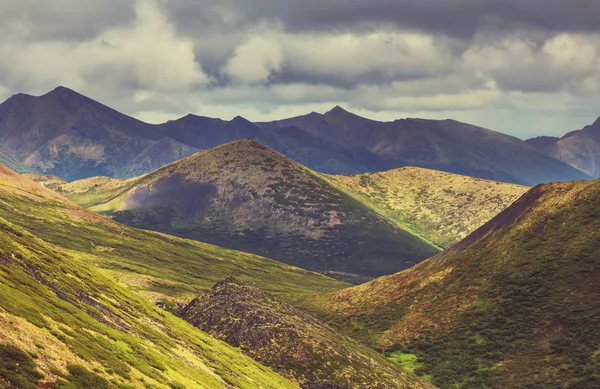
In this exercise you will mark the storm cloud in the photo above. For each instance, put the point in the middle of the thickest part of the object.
(521, 67)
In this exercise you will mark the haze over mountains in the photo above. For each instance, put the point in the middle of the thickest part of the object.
(66, 134)
(580, 149)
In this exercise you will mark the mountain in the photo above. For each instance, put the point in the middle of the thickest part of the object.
(445, 145)
(580, 149)
(163, 269)
(72, 136)
(443, 208)
(63, 324)
(246, 196)
(291, 342)
(513, 305)
(66, 134)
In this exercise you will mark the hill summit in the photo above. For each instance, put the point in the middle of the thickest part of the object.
(244, 195)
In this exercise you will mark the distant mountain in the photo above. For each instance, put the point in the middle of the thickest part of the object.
(290, 341)
(66, 323)
(246, 196)
(69, 135)
(443, 208)
(513, 305)
(445, 145)
(72, 136)
(580, 149)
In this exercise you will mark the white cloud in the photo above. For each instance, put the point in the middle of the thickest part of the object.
(255, 60)
(146, 54)
(349, 56)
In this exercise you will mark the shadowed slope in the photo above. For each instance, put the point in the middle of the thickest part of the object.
(445, 145)
(290, 341)
(69, 135)
(515, 304)
(13, 164)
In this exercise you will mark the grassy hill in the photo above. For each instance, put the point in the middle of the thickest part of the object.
(290, 341)
(156, 266)
(65, 325)
(514, 305)
(245, 196)
(443, 208)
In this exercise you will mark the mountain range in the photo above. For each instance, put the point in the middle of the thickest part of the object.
(71, 136)
(513, 305)
(497, 281)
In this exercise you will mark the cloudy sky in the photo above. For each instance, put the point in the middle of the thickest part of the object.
(524, 67)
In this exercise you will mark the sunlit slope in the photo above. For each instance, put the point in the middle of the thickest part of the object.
(441, 207)
(514, 305)
(64, 325)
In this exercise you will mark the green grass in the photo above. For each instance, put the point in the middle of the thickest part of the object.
(406, 360)
(56, 306)
(18, 368)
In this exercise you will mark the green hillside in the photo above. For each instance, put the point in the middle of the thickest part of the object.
(247, 197)
(156, 266)
(64, 325)
(441, 207)
(514, 305)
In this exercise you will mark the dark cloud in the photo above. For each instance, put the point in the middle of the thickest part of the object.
(68, 19)
(461, 18)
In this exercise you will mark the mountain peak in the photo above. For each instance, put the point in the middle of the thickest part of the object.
(246, 143)
(69, 99)
(61, 91)
(336, 111)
